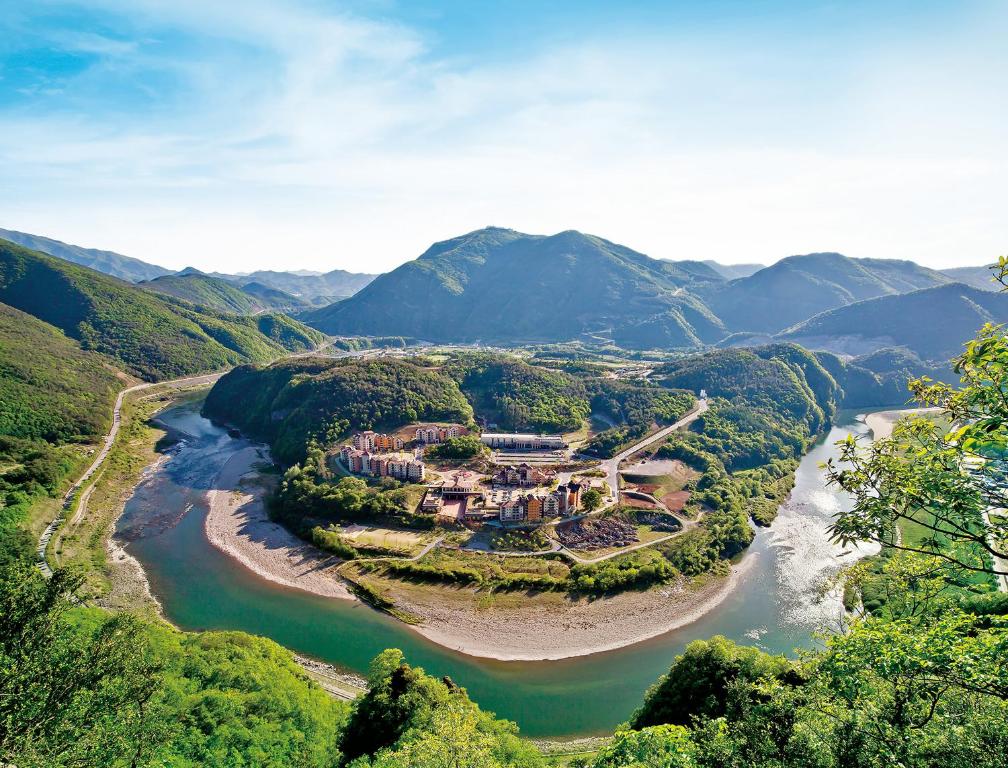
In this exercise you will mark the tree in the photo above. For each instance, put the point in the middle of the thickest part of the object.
(408, 719)
(71, 694)
(662, 746)
(591, 499)
(948, 482)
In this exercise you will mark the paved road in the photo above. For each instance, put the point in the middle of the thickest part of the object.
(187, 381)
(106, 448)
(611, 466)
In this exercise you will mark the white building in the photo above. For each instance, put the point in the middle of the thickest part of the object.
(512, 511)
(513, 441)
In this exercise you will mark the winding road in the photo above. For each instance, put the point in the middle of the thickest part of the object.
(611, 466)
(106, 448)
(109, 440)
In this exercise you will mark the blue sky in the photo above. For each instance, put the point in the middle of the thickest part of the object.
(309, 134)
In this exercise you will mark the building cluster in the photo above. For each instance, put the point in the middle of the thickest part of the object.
(362, 461)
(375, 442)
(513, 441)
(523, 475)
(432, 434)
(460, 487)
(532, 508)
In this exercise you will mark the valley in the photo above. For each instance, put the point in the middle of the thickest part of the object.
(547, 523)
(770, 601)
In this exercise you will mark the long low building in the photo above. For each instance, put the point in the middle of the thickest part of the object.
(514, 441)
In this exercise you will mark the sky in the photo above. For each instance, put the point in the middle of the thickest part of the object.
(319, 135)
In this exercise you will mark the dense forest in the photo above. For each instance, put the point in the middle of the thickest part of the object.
(519, 395)
(292, 402)
(151, 336)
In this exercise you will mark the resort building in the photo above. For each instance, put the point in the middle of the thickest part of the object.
(512, 511)
(461, 483)
(432, 434)
(533, 509)
(456, 496)
(399, 466)
(513, 441)
(551, 505)
(377, 442)
(523, 475)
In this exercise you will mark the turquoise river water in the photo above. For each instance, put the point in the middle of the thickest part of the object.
(775, 607)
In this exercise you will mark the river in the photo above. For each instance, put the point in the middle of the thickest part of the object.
(776, 607)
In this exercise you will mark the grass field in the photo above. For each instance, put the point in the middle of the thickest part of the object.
(407, 542)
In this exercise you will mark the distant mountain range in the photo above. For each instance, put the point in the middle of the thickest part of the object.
(110, 263)
(505, 287)
(303, 288)
(499, 285)
(314, 289)
(933, 322)
(799, 287)
(732, 271)
(976, 277)
(502, 286)
(223, 295)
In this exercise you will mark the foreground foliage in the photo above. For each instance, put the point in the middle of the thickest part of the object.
(80, 687)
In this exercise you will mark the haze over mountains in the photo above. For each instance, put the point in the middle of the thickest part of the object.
(501, 286)
(109, 262)
(305, 287)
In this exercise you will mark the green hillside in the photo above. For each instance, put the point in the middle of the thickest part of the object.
(798, 287)
(219, 295)
(785, 379)
(151, 336)
(501, 285)
(930, 323)
(50, 389)
(54, 399)
(109, 262)
(292, 401)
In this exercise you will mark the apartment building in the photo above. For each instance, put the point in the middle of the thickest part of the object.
(376, 442)
(432, 434)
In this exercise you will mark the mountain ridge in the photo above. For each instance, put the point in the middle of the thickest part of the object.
(109, 262)
(149, 335)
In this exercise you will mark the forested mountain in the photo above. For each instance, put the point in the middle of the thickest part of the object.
(292, 401)
(54, 397)
(501, 285)
(312, 288)
(50, 389)
(110, 263)
(798, 287)
(931, 323)
(151, 336)
(975, 277)
(298, 289)
(224, 296)
(781, 378)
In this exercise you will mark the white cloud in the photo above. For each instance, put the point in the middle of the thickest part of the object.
(303, 138)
